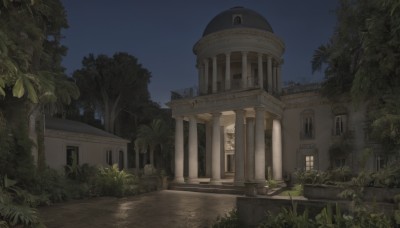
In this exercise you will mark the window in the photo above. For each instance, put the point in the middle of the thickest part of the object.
(237, 20)
(307, 125)
(72, 155)
(121, 160)
(109, 157)
(309, 162)
(340, 162)
(380, 162)
(340, 124)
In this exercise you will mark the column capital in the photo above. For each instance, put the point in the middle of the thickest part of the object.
(214, 57)
(244, 52)
(178, 117)
(259, 108)
(205, 61)
(228, 54)
(239, 111)
(260, 55)
(216, 114)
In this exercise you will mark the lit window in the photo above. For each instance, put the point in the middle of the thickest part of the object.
(340, 124)
(109, 157)
(309, 162)
(72, 155)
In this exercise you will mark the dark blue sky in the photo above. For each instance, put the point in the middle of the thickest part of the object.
(161, 34)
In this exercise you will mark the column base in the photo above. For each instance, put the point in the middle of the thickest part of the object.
(238, 183)
(193, 181)
(216, 182)
(261, 181)
(179, 180)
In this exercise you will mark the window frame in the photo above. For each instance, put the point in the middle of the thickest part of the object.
(109, 157)
(70, 150)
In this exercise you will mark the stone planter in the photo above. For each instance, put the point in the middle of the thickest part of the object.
(330, 192)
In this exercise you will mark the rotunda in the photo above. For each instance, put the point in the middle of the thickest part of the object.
(239, 62)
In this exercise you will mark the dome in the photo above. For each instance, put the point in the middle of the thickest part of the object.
(237, 17)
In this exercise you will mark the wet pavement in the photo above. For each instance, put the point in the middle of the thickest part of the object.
(175, 209)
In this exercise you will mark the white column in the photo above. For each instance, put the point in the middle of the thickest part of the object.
(260, 71)
(259, 172)
(276, 150)
(274, 77)
(250, 162)
(228, 71)
(206, 76)
(208, 148)
(179, 150)
(216, 149)
(222, 137)
(239, 147)
(279, 79)
(193, 153)
(201, 77)
(214, 75)
(269, 73)
(244, 69)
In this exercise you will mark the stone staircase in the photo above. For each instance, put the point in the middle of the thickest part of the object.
(224, 188)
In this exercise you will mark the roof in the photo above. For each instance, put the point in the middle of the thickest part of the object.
(249, 19)
(76, 127)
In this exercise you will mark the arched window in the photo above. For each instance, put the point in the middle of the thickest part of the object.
(237, 20)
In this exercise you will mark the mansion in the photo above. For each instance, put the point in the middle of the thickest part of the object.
(255, 129)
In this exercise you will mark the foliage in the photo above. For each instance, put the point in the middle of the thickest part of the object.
(229, 220)
(113, 182)
(16, 205)
(111, 85)
(296, 190)
(331, 176)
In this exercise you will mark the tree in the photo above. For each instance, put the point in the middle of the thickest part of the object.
(362, 61)
(157, 135)
(112, 85)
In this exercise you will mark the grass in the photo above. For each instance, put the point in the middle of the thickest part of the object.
(296, 190)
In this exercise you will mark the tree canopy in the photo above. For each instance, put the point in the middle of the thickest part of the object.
(111, 85)
(362, 61)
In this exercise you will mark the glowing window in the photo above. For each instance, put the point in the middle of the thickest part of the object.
(309, 162)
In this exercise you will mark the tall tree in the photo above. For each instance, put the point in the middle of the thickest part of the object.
(363, 61)
(112, 85)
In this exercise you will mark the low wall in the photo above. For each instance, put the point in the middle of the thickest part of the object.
(329, 192)
(252, 210)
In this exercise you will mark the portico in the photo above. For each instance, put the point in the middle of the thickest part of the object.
(238, 61)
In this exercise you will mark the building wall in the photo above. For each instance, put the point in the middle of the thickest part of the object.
(296, 146)
(92, 149)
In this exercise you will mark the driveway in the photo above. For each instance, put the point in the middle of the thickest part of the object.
(165, 208)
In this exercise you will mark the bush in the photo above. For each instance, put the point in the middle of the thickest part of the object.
(113, 182)
(229, 220)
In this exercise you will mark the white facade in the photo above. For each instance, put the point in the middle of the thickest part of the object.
(254, 129)
(65, 138)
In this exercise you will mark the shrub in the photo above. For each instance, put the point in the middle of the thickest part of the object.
(229, 220)
(113, 182)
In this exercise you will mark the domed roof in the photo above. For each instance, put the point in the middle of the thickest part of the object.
(237, 17)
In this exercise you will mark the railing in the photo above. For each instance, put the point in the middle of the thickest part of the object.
(185, 93)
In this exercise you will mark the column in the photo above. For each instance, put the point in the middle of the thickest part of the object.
(273, 78)
(214, 75)
(206, 76)
(260, 71)
(222, 137)
(179, 150)
(216, 150)
(259, 156)
(193, 153)
(228, 71)
(201, 77)
(276, 150)
(250, 149)
(269, 73)
(208, 148)
(239, 147)
(244, 70)
(279, 79)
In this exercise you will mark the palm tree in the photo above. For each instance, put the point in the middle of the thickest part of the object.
(157, 134)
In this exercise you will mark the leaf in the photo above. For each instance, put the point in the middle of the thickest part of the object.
(31, 92)
(18, 89)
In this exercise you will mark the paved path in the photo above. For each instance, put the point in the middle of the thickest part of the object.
(166, 208)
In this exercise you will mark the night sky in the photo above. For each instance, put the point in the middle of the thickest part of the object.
(161, 34)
